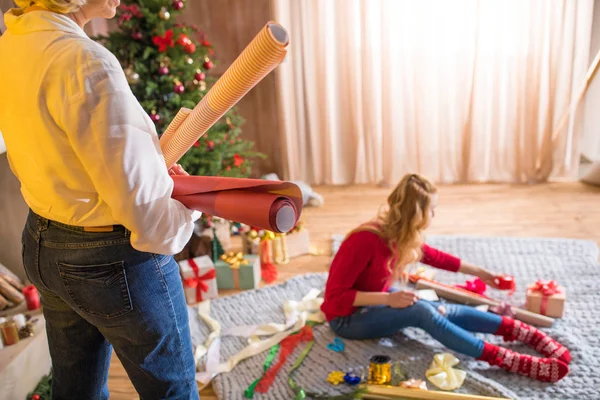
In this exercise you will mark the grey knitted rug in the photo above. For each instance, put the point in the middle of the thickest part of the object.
(573, 263)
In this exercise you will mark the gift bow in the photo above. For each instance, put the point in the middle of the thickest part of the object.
(234, 260)
(476, 286)
(163, 41)
(198, 281)
(547, 289)
(441, 373)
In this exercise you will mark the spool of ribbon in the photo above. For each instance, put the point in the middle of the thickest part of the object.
(280, 254)
(32, 297)
(546, 289)
(441, 373)
(198, 280)
(10, 333)
(380, 370)
(506, 282)
(476, 286)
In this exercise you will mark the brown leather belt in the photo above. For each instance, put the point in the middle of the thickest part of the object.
(107, 228)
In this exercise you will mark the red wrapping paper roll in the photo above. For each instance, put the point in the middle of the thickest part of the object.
(271, 205)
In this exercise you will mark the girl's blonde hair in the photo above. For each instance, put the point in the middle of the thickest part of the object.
(59, 6)
(402, 222)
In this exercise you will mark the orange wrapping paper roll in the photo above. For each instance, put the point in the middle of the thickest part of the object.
(260, 57)
(271, 205)
(175, 123)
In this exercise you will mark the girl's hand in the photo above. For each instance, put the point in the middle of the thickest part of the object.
(402, 299)
(487, 277)
(177, 170)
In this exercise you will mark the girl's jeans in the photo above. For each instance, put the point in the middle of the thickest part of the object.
(453, 330)
(99, 293)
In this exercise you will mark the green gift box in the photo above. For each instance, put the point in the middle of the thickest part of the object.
(243, 276)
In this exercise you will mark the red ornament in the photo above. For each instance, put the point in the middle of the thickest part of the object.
(197, 144)
(200, 76)
(207, 64)
(163, 70)
(228, 168)
(35, 396)
(226, 136)
(189, 48)
(178, 4)
(206, 43)
(178, 88)
(137, 36)
(183, 40)
(210, 145)
(231, 141)
(237, 160)
(154, 117)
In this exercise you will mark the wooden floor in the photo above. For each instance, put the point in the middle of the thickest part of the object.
(551, 210)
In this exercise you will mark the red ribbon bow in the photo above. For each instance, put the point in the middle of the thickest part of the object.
(547, 289)
(163, 41)
(198, 281)
(476, 286)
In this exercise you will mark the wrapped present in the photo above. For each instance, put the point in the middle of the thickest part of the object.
(546, 298)
(297, 243)
(238, 271)
(199, 279)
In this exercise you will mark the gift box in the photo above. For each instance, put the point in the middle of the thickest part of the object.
(237, 271)
(297, 243)
(546, 298)
(199, 279)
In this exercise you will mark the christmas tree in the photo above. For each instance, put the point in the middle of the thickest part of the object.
(168, 65)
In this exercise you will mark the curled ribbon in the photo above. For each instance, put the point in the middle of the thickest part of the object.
(234, 260)
(413, 384)
(476, 286)
(441, 373)
(547, 289)
(163, 41)
(198, 281)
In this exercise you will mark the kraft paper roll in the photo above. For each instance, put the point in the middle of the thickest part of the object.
(266, 51)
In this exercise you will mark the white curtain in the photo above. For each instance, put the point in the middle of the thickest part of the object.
(461, 91)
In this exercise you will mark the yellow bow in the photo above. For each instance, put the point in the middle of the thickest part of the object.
(441, 373)
(336, 377)
(234, 260)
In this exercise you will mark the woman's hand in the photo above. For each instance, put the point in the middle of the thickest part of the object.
(480, 272)
(177, 170)
(402, 299)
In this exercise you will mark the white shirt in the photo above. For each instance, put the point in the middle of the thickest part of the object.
(85, 151)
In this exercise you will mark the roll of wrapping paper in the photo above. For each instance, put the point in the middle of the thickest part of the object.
(271, 205)
(393, 392)
(466, 297)
(174, 125)
(259, 58)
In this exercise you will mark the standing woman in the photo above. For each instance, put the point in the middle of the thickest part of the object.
(359, 305)
(102, 227)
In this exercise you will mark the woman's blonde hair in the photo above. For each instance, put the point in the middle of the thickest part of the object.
(59, 6)
(402, 222)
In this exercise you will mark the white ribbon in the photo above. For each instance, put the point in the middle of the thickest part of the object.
(297, 313)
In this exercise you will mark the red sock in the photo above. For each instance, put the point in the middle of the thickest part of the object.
(542, 369)
(513, 329)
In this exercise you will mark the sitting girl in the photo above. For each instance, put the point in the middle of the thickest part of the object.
(359, 304)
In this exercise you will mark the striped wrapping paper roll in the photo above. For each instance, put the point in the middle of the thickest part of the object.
(260, 57)
(175, 123)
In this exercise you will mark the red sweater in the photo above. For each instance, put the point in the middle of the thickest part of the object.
(360, 265)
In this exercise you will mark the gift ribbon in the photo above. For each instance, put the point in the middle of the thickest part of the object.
(441, 373)
(547, 289)
(235, 261)
(297, 314)
(506, 282)
(198, 281)
(269, 272)
(249, 392)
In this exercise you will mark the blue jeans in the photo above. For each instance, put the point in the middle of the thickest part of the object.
(451, 329)
(99, 293)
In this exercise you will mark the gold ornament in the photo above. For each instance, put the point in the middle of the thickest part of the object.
(132, 76)
(164, 14)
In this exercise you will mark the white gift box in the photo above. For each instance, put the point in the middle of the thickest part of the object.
(198, 286)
